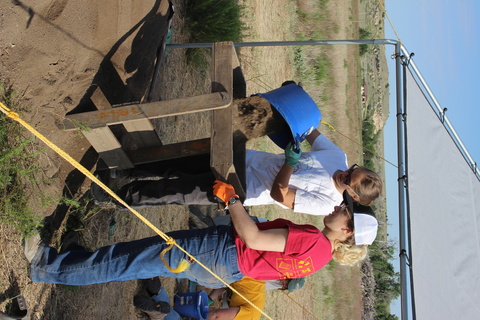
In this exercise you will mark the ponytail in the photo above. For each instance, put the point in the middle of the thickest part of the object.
(349, 254)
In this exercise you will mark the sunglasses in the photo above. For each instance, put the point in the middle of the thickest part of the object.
(344, 206)
(347, 179)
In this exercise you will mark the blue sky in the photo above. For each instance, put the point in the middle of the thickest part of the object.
(445, 37)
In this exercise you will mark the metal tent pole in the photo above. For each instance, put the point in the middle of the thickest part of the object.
(285, 43)
(402, 182)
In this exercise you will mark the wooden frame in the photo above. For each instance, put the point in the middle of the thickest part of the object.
(227, 82)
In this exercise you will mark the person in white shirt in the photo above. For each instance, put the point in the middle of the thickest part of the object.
(309, 182)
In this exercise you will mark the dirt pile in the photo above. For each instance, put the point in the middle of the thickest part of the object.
(257, 118)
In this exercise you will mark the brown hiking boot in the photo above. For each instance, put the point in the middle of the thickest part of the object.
(155, 310)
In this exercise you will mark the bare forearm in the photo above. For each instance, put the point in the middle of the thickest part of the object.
(246, 228)
(312, 136)
(280, 191)
(223, 314)
(252, 236)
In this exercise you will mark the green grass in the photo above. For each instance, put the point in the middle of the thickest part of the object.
(364, 35)
(17, 168)
(317, 70)
(322, 67)
(212, 21)
(79, 210)
(369, 139)
(312, 63)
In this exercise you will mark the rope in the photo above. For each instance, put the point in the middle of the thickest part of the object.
(183, 265)
(296, 302)
(389, 21)
(364, 148)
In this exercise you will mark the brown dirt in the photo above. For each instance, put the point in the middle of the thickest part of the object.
(257, 118)
(53, 52)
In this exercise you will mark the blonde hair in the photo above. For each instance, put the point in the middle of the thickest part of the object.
(368, 187)
(349, 254)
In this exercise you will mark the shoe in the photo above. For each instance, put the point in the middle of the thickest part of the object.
(97, 192)
(30, 246)
(70, 239)
(17, 312)
(154, 309)
(101, 197)
(148, 287)
(153, 286)
(121, 173)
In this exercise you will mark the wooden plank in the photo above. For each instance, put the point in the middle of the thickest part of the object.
(140, 131)
(238, 179)
(233, 179)
(103, 140)
(222, 80)
(152, 110)
(239, 158)
(221, 159)
(170, 151)
(99, 100)
(108, 148)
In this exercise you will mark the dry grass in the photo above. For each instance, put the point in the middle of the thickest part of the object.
(334, 292)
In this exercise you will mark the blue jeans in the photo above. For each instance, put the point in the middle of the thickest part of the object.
(140, 259)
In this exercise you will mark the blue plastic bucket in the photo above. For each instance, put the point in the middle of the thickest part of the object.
(299, 111)
(191, 304)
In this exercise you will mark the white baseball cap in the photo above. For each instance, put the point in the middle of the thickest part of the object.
(364, 221)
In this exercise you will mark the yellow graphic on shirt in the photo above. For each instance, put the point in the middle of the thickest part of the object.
(295, 268)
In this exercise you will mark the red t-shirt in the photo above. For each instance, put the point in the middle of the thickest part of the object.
(307, 251)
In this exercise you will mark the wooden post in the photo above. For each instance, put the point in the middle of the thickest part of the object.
(103, 140)
(221, 154)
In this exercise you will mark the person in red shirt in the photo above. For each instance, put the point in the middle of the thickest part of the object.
(281, 249)
(271, 250)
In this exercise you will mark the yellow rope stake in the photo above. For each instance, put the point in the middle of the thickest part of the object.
(183, 264)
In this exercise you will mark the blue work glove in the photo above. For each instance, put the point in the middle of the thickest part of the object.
(291, 155)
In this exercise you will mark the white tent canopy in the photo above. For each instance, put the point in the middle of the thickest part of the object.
(444, 216)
